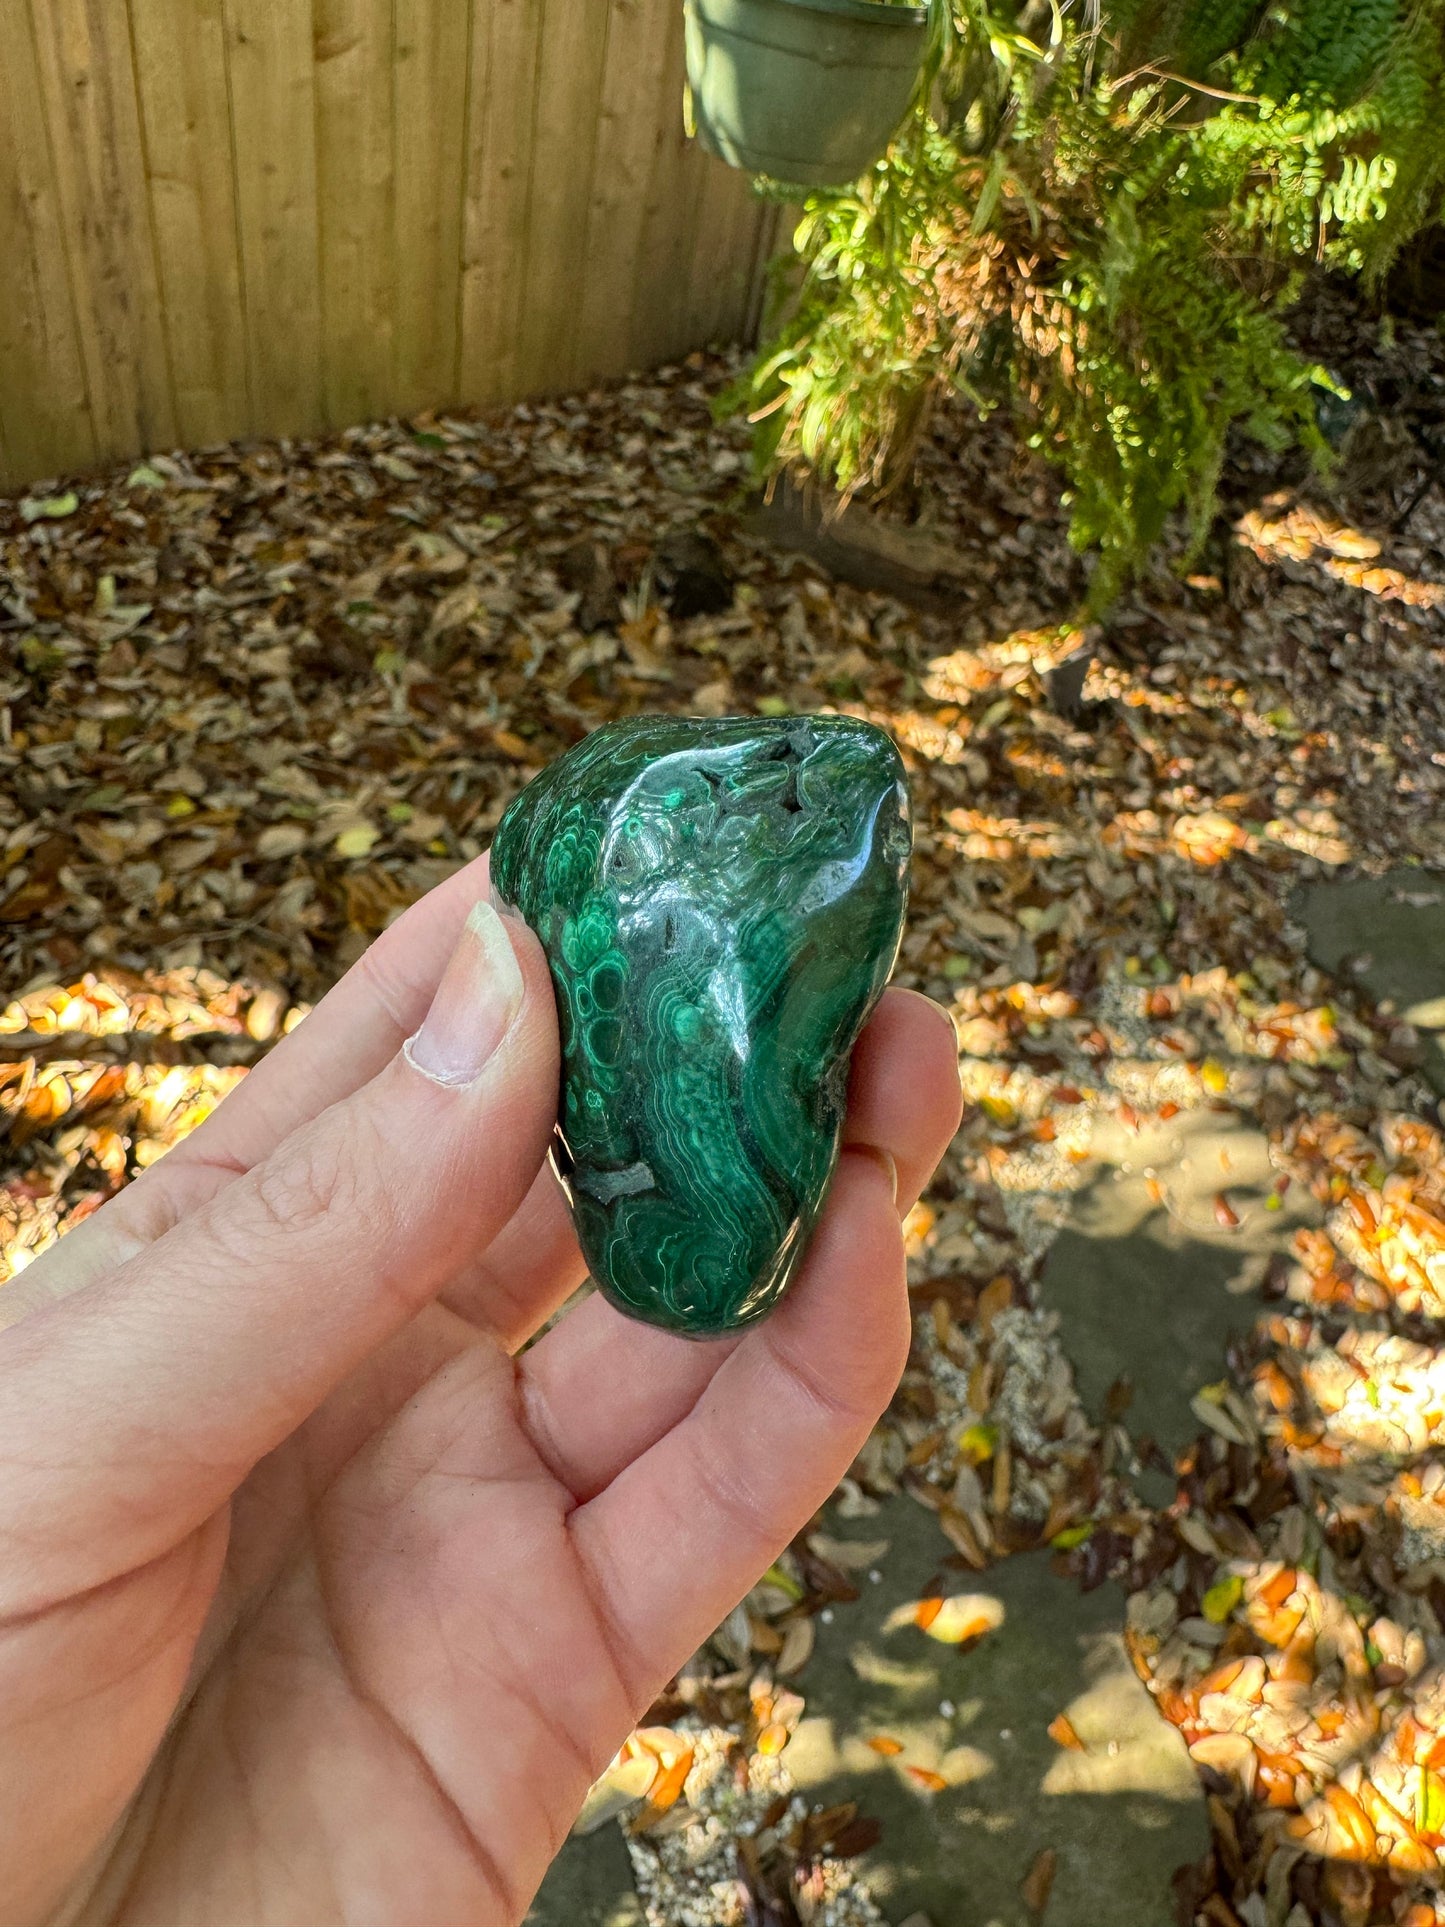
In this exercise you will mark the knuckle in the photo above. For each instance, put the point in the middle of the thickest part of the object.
(314, 1182)
(732, 1497)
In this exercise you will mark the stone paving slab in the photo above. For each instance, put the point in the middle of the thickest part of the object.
(589, 1884)
(1387, 933)
(1149, 1283)
(1121, 1815)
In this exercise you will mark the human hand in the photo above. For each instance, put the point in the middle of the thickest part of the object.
(321, 1604)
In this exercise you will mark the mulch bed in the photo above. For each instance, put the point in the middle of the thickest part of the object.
(254, 701)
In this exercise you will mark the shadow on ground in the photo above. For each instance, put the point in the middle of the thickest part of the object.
(589, 1884)
(1121, 1811)
(1148, 1277)
(1388, 935)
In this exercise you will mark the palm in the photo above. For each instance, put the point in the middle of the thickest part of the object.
(415, 1710)
(376, 1678)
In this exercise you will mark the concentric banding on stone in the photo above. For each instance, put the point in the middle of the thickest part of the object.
(721, 904)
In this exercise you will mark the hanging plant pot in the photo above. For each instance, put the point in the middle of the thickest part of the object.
(808, 91)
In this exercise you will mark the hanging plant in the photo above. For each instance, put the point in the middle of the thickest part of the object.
(1098, 219)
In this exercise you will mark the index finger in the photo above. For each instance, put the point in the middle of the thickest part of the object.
(348, 1039)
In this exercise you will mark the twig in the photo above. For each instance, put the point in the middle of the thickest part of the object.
(1181, 80)
(1431, 478)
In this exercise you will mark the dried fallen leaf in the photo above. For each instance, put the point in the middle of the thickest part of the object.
(1224, 1212)
(858, 1835)
(1218, 1421)
(1430, 1804)
(515, 746)
(797, 1647)
(960, 1617)
(977, 1442)
(634, 1776)
(849, 1555)
(49, 508)
(282, 840)
(1227, 1753)
(1222, 1597)
(674, 1759)
(961, 1534)
(922, 1614)
(926, 1779)
(357, 841)
(1038, 1882)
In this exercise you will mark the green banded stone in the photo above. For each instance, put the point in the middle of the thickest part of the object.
(720, 903)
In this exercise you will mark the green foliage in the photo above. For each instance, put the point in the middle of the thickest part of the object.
(1102, 226)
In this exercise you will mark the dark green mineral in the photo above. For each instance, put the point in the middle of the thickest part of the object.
(721, 904)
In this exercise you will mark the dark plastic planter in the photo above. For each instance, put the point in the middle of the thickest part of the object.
(809, 91)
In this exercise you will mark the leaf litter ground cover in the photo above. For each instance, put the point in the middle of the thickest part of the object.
(255, 701)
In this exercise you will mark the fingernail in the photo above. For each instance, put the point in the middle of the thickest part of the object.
(884, 1161)
(946, 1016)
(476, 1000)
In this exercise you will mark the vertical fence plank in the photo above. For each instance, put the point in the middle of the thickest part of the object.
(753, 249)
(507, 40)
(750, 222)
(87, 86)
(430, 105)
(355, 182)
(705, 271)
(564, 144)
(273, 145)
(44, 405)
(774, 237)
(629, 134)
(669, 234)
(717, 284)
(661, 294)
(180, 53)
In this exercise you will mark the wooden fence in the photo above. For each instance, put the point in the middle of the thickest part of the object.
(232, 217)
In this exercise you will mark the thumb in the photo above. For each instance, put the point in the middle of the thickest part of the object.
(131, 1410)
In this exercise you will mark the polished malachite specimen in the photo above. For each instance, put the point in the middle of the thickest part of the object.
(721, 904)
